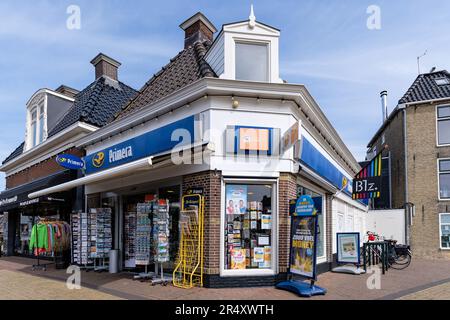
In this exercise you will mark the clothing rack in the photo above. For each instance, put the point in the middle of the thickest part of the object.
(40, 266)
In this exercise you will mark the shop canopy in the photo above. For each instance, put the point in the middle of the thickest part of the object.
(123, 170)
(18, 197)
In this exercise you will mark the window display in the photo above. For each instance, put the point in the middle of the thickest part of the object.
(445, 230)
(248, 226)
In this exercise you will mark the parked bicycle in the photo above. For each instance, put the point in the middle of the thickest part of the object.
(398, 256)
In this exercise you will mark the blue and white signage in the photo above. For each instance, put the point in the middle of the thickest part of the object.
(70, 161)
(145, 145)
(305, 207)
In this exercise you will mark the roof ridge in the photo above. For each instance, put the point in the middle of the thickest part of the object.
(93, 97)
(200, 49)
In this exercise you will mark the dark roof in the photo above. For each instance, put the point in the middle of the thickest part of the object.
(426, 88)
(15, 153)
(97, 105)
(185, 68)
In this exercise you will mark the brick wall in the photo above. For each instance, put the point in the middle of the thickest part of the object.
(287, 191)
(38, 171)
(211, 184)
(393, 134)
(423, 181)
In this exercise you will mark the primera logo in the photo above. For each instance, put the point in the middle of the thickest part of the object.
(98, 160)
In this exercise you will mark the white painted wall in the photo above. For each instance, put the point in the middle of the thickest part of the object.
(387, 223)
(347, 216)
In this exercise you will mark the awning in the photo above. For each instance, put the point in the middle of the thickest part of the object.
(18, 197)
(152, 162)
(313, 176)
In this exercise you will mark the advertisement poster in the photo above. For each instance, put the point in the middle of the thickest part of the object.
(258, 254)
(303, 246)
(266, 222)
(348, 247)
(236, 199)
(238, 259)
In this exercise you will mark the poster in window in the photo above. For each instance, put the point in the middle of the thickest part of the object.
(303, 246)
(238, 259)
(236, 199)
(348, 247)
(266, 222)
(258, 254)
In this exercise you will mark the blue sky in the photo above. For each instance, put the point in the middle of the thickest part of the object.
(325, 45)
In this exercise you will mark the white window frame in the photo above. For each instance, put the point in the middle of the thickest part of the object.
(275, 226)
(440, 230)
(437, 124)
(266, 43)
(439, 180)
(34, 133)
(323, 258)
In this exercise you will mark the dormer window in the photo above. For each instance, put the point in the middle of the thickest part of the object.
(246, 50)
(33, 127)
(252, 62)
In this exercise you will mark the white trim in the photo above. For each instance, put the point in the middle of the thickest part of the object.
(49, 91)
(437, 126)
(275, 235)
(439, 180)
(60, 138)
(143, 164)
(440, 230)
(214, 86)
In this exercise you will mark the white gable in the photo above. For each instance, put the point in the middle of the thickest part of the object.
(221, 57)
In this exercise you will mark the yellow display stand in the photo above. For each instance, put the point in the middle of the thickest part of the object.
(189, 264)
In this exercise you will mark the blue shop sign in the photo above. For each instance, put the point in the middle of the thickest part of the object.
(148, 144)
(69, 161)
(305, 207)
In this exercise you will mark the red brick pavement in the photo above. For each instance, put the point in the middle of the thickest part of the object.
(420, 275)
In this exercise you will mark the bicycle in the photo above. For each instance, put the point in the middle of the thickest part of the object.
(399, 256)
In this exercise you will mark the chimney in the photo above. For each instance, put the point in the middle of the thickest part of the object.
(67, 91)
(105, 66)
(197, 28)
(384, 109)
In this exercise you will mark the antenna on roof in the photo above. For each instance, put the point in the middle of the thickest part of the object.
(252, 18)
(418, 60)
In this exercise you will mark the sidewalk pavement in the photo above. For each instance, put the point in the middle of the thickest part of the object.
(423, 279)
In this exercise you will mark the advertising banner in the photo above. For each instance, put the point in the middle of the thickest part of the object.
(303, 246)
(348, 248)
(236, 199)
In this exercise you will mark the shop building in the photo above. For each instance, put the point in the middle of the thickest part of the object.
(415, 140)
(55, 121)
(218, 118)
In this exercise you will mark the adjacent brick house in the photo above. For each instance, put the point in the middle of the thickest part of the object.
(417, 136)
(56, 120)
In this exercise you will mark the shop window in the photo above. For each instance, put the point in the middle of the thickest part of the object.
(443, 125)
(252, 62)
(444, 179)
(318, 202)
(248, 226)
(444, 219)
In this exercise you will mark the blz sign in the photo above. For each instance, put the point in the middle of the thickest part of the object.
(364, 186)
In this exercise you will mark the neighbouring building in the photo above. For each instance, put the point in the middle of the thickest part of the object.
(249, 136)
(415, 140)
(55, 121)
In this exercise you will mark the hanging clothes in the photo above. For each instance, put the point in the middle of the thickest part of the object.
(50, 237)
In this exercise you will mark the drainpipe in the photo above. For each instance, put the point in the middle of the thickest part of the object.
(405, 141)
